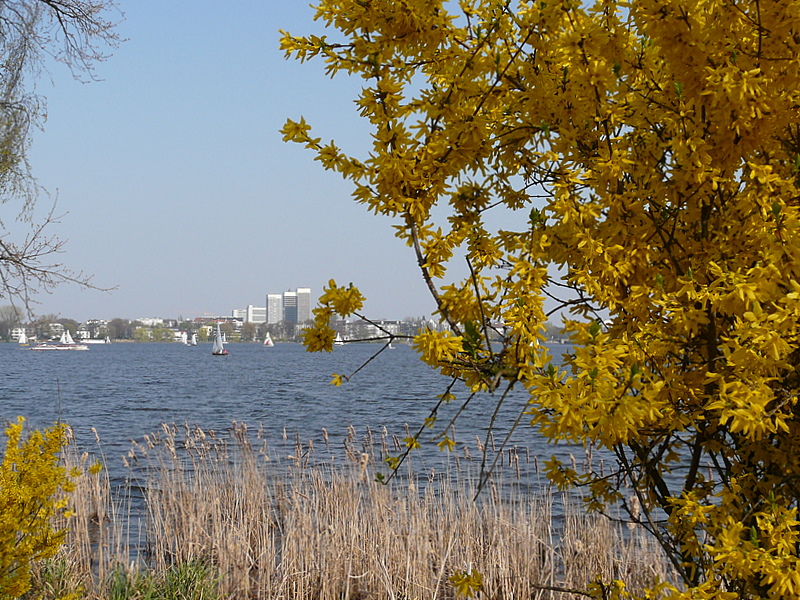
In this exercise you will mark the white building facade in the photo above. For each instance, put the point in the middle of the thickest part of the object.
(303, 304)
(274, 308)
(255, 314)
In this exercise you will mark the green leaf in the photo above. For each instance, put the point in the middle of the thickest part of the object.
(471, 341)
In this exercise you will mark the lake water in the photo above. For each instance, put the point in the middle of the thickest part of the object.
(127, 390)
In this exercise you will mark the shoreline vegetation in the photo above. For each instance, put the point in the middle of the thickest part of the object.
(236, 330)
(222, 515)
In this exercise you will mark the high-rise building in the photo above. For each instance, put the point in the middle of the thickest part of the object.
(303, 304)
(274, 308)
(290, 307)
(255, 314)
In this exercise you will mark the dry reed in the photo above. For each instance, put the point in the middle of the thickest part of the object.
(282, 525)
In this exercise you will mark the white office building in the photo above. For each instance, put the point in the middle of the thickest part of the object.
(303, 304)
(274, 308)
(255, 314)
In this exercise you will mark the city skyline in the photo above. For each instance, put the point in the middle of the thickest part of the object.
(293, 306)
(180, 194)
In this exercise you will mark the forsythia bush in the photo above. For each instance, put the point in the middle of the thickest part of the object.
(638, 164)
(32, 486)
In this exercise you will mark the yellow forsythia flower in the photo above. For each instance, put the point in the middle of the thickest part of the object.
(31, 486)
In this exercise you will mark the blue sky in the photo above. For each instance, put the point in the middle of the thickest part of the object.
(175, 185)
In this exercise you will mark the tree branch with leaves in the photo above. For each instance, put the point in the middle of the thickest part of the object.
(648, 156)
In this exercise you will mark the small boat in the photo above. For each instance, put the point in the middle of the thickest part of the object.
(338, 341)
(65, 343)
(23, 339)
(45, 346)
(184, 338)
(268, 343)
(193, 340)
(219, 348)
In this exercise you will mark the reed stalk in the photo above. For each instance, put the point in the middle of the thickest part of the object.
(302, 522)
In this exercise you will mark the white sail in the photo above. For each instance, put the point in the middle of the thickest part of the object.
(23, 339)
(193, 341)
(184, 338)
(338, 341)
(268, 341)
(65, 342)
(218, 348)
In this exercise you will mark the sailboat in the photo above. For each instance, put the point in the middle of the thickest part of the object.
(67, 343)
(218, 349)
(23, 339)
(268, 343)
(184, 338)
(64, 343)
(338, 341)
(193, 341)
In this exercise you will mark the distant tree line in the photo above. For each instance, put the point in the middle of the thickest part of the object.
(126, 329)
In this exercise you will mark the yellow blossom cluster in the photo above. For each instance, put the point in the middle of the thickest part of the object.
(33, 488)
(335, 301)
(638, 165)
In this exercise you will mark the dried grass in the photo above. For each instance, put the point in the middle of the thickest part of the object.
(305, 527)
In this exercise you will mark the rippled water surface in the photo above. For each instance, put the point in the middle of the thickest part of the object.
(127, 390)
